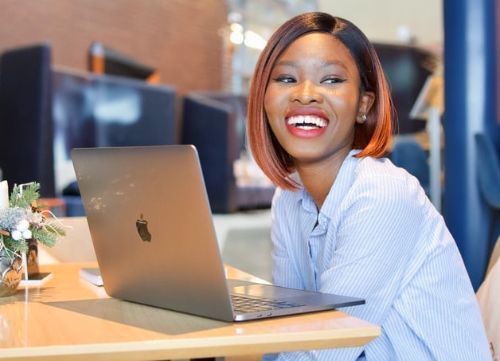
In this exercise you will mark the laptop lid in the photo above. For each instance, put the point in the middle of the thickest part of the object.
(151, 227)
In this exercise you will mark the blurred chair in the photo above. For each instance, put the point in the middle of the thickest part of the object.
(215, 124)
(407, 153)
(488, 173)
(26, 148)
(105, 111)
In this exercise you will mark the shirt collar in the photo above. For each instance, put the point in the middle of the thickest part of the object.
(336, 193)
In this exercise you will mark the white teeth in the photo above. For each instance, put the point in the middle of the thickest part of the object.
(307, 122)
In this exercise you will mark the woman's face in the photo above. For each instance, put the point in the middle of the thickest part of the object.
(313, 99)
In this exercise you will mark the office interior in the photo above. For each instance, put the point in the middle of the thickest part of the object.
(86, 73)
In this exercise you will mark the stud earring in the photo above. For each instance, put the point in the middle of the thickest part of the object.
(362, 118)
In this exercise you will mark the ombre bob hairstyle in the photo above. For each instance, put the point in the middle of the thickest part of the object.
(372, 137)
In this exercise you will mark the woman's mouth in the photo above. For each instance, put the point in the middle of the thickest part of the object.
(306, 126)
(306, 122)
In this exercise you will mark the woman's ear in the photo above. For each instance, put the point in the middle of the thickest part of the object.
(365, 104)
(367, 100)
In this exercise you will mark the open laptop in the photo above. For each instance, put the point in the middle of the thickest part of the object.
(152, 230)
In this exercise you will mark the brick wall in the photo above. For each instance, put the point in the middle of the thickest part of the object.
(181, 38)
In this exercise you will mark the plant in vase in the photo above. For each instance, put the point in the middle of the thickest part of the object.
(22, 225)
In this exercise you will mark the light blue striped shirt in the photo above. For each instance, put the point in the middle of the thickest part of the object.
(378, 237)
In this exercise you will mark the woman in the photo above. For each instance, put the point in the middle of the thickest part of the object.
(345, 220)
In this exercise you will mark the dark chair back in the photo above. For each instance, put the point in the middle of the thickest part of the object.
(488, 173)
(210, 125)
(214, 122)
(488, 166)
(407, 153)
(26, 148)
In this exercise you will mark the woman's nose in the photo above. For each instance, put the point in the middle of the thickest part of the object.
(307, 92)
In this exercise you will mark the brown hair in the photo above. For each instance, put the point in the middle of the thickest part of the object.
(372, 137)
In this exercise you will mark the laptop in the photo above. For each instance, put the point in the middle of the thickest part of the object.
(155, 243)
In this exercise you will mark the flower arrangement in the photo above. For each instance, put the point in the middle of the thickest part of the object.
(21, 220)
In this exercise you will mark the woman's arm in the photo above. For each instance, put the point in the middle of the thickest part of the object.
(376, 235)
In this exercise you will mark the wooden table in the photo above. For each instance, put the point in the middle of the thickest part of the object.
(67, 318)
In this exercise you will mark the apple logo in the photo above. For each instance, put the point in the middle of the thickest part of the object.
(142, 229)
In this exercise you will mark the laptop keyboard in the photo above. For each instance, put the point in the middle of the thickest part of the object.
(245, 304)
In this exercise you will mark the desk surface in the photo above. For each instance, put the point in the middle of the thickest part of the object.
(67, 318)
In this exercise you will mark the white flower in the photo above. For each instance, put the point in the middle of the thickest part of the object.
(16, 235)
(35, 219)
(23, 225)
(27, 234)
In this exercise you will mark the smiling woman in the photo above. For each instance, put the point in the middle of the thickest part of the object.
(345, 220)
(313, 101)
(351, 55)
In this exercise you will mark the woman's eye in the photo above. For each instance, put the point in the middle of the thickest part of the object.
(332, 80)
(285, 79)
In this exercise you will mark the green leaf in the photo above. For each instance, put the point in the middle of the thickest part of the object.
(15, 246)
(52, 227)
(47, 238)
(25, 196)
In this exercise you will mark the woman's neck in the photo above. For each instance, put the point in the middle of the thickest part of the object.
(318, 177)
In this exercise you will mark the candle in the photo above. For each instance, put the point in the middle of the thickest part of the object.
(4, 195)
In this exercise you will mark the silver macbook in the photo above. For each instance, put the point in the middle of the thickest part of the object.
(155, 243)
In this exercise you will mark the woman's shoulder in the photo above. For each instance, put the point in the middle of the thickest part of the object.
(380, 167)
(379, 171)
(386, 182)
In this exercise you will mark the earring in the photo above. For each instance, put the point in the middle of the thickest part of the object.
(362, 118)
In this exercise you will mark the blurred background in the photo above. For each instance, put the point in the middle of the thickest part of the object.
(87, 73)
